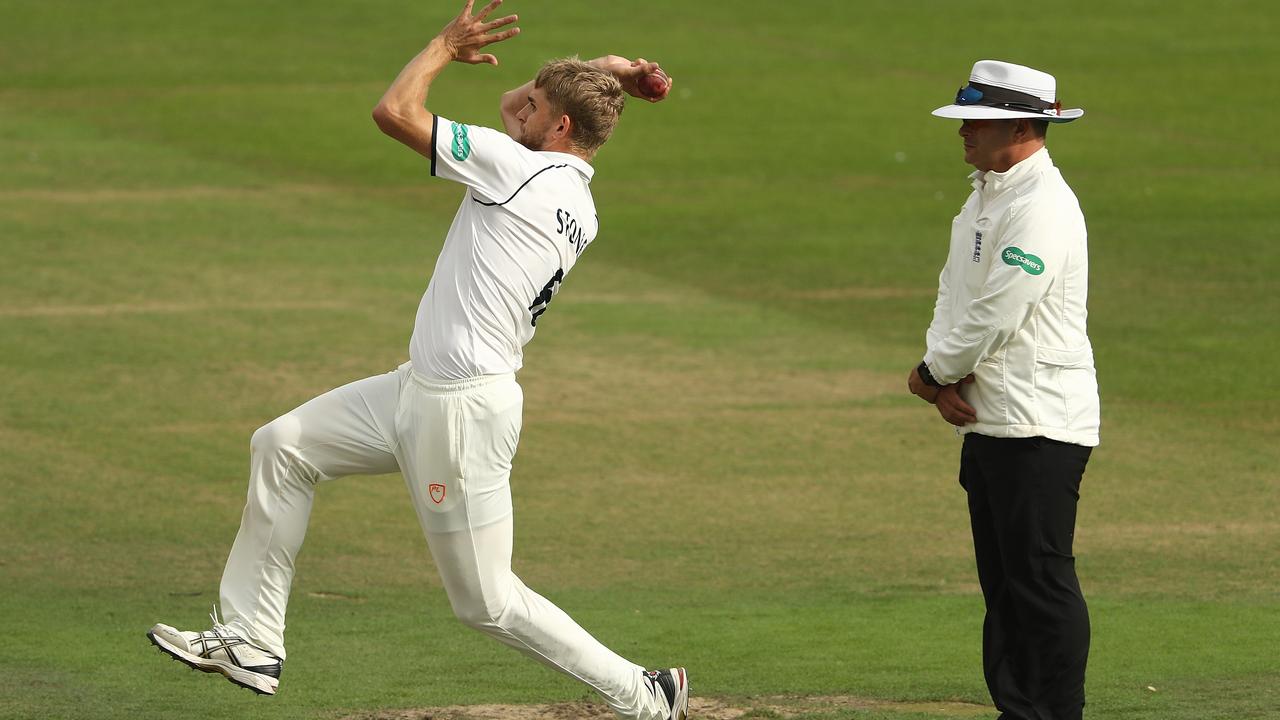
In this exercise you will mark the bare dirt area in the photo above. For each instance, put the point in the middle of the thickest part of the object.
(699, 709)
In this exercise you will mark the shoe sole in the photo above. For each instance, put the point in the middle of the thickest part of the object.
(680, 708)
(257, 682)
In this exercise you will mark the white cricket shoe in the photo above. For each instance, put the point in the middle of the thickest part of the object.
(222, 651)
(670, 689)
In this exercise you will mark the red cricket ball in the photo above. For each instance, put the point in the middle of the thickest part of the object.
(654, 85)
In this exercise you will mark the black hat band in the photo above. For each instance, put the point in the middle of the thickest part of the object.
(998, 97)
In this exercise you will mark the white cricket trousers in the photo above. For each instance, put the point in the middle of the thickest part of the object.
(454, 442)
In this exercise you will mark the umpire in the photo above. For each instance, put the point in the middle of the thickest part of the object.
(1010, 365)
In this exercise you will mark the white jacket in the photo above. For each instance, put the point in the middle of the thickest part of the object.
(1011, 308)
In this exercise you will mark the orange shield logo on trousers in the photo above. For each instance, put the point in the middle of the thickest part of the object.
(437, 492)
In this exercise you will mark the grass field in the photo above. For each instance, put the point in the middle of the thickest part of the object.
(201, 228)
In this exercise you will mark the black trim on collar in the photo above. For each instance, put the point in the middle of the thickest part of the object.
(517, 192)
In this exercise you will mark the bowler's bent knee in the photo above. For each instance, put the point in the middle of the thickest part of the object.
(276, 436)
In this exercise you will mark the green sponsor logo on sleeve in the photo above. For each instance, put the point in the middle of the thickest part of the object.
(1032, 264)
(461, 143)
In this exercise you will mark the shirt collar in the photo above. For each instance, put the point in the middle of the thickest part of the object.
(572, 161)
(994, 182)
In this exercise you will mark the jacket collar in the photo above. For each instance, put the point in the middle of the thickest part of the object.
(994, 183)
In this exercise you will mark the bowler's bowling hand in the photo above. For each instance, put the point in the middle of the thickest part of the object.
(632, 75)
(952, 407)
(918, 387)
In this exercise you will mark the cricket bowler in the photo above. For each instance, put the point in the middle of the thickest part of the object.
(450, 418)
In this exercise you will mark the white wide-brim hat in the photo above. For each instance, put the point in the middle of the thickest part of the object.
(1001, 90)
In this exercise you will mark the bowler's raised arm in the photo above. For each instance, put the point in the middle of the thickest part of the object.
(402, 113)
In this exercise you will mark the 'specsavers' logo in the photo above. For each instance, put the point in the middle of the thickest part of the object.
(461, 143)
(1032, 264)
(437, 492)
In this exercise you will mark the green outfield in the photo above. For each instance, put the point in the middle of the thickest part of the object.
(201, 227)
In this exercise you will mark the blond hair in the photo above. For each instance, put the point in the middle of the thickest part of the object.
(592, 98)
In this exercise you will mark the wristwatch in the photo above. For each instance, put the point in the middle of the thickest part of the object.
(926, 376)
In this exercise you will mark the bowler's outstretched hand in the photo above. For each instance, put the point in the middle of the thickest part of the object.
(467, 33)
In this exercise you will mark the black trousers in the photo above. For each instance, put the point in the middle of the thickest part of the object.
(1022, 508)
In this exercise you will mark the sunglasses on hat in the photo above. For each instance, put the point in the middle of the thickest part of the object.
(997, 97)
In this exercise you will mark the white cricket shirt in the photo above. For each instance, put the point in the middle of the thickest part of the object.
(523, 222)
(1011, 307)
